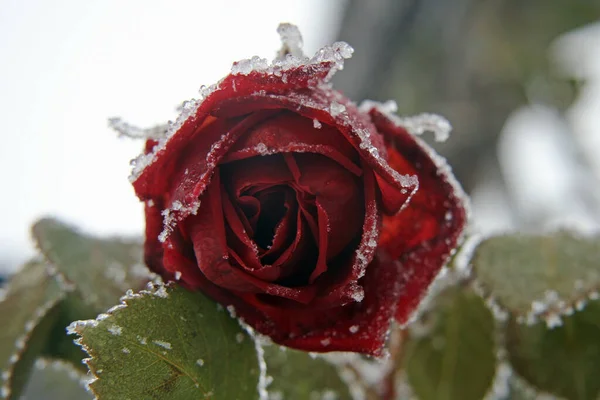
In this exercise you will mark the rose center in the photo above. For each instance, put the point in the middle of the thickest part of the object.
(272, 210)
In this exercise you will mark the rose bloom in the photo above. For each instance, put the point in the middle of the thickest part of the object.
(318, 220)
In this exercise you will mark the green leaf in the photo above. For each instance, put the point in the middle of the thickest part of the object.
(55, 380)
(450, 351)
(298, 376)
(536, 276)
(101, 269)
(169, 344)
(520, 389)
(27, 314)
(60, 346)
(564, 360)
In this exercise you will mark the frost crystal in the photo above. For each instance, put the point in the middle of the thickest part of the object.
(115, 330)
(291, 40)
(163, 344)
(336, 108)
(127, 130)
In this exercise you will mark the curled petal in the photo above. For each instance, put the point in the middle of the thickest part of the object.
(422, 236)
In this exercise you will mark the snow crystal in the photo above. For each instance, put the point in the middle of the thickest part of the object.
(115, 330)
(200, 362)
(553, 320)
(177, 275)
(353, 329)
(231, 310)
(336, 108)
(245, 67)
(291, 56)
(261, 149)
(126, 350)
(417, 124)
(133, 132)
(358, 294)
(317, 124)
(291, 40)
(163, 344)
(161, 292)
(142, 340)
(326, 342)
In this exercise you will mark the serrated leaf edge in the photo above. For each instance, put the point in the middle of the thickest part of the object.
(21, 342)
(154, 288)
(549, 309)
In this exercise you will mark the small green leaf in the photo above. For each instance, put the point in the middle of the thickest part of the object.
(169, 344)
(520, 389)
(564, 360)
(450, 351)
(27, 313)
(55, 380)
(101, 269)
(60, 346)
(298, 376)
(536, 276)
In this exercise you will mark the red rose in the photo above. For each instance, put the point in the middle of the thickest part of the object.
(317, 220)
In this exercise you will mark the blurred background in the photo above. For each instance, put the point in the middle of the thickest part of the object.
(519, 81)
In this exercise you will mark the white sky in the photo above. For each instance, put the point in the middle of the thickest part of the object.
(68, 65)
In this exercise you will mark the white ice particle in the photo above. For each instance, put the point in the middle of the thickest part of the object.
(200, 362)
(336, 108)
(163, 344)
(115, 330)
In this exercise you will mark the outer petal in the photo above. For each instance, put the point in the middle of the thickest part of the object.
(423, 235)
(359, 327)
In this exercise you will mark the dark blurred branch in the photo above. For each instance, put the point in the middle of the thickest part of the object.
(469, 60)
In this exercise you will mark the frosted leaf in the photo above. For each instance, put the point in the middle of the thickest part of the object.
(460, 336)
(538, 277)
(560, 355)
(27, 315)
(153, 341)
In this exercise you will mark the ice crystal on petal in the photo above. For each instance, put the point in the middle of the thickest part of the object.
(336, 108)
(125, 129)
(291, 40)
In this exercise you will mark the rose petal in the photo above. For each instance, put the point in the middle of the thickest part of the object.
(426, 232)
(359, 327)
(291, 133)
